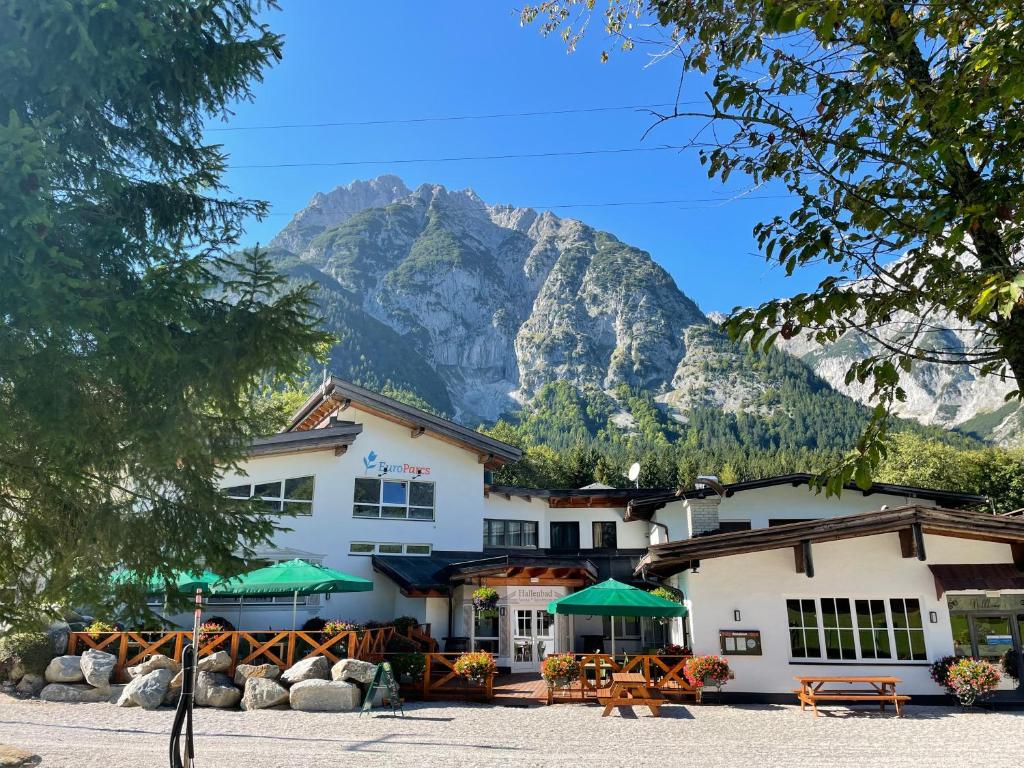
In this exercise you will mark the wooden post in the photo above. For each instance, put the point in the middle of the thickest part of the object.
(426, 674)
(291, 648)
(234, 653)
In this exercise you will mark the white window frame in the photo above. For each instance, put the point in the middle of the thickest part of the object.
(378, 544)
(380, 505)
(860, 659)
(281, 500)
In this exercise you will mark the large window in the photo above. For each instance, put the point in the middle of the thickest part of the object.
(293, 495)
(604, 535)
(509, 534)
(385, 548)
(852, 629)
(393, 499)
(565, 535)
(625, 626)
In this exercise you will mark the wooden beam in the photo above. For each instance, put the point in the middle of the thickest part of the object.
(522, 581)
(804, 558)
(918, 535)
(906, 543)
(484, 458)
(1017, 551)
(343, 405)
(340, 450)
(417, 431)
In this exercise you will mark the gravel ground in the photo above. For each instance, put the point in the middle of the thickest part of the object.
(467, 735)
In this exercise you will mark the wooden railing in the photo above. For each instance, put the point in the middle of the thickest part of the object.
(283, 648)
(441, 681)
(664, 673)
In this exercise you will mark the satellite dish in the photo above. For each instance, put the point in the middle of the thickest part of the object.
(634, 471)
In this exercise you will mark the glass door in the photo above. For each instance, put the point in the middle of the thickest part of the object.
(994, 637)
(532, 638)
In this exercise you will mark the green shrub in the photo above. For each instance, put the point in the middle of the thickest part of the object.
(404, 623)
(408, 667)
(33, 650)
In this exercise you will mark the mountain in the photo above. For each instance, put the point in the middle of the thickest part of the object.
(477, 310)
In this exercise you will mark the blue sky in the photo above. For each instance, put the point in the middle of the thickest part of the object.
(397, 60)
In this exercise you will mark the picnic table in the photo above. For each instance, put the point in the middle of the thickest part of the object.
(629, 689)
(820, 688)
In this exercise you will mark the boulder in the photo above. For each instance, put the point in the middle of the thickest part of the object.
(214, 689)
(13, 757)
(245, 671)
(31, 684)
(64, 669)
(173, 692)
(323, 696)
(146, 691)
(262, 692)
(59, 633)
(74, 694)
(16, 672)
(97, 667)
(154, 662)
(215, 662)
(313, 668)
(354, 671)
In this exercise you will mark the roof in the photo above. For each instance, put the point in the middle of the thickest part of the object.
(437, 572)
(979, 576)
(676, 556)
(643, 509)
(337, 394)
(338, 437)
(588, 496)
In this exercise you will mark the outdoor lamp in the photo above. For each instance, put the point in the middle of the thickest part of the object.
(736, 615)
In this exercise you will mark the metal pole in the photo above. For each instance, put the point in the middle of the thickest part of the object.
(295, 604)
(613, 637)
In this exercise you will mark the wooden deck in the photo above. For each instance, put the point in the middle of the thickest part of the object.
(526, 689)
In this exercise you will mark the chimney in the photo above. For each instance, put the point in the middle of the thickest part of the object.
(702, 510)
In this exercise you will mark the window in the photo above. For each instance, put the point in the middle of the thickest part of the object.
(874, 629)
(393, 499)
(510, 533)
(803, 629)
(731, 526)
(294, 495)
(604, 535)
(565, 535)
(871, 630)
(907, 629)
(625, 626)
(837, 620)
(387, 548)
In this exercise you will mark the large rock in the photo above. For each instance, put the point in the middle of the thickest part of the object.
(74, 694)
(215, 662)
(262, 692)
(324, 696)
(146, 691)
(31, 684)
(97, 667)
(154, 662)
(214, 689)
(354, 670)
(313, 668)
(14, 757)
(245, 671)
(16, 672)
(64, 669)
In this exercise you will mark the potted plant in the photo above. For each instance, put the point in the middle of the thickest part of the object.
(702, 671)
(940, 673)
(671, 649)
(485, 600)
(560, 669)
(334, 627)
(972, 679)
(475, 667)
(1011, 664)
(209, 630)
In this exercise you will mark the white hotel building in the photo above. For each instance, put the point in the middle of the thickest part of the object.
(777, 578)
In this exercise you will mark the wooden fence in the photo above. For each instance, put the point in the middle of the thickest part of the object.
(441, 681)
(283, 648)
(663, 673)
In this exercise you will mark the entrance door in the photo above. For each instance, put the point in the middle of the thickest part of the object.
(532, 638)
(990, 637)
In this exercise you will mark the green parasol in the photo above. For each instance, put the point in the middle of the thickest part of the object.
(613, 598)
(183, 581)
(292, 577)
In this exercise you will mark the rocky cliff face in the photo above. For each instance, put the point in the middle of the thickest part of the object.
(474, 307)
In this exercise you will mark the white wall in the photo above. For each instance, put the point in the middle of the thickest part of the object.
(629, 535)
(758, 585)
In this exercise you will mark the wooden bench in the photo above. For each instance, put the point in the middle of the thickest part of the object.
(880, 690)
(628, 689)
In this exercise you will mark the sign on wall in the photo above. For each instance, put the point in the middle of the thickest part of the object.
(740, 642)
(373, 463)
(533, 595)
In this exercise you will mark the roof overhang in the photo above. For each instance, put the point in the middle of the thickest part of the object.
(910, 522)
(644, 508)
(983, 577)
(577, 497)
(336, 395)
(337, 437)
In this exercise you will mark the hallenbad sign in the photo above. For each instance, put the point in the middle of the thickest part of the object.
(372, 462)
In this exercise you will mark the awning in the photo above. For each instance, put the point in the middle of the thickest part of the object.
(985, 577)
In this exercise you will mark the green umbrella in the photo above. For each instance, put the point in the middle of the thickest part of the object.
(613, 598)
(183, 581)
(292, 577)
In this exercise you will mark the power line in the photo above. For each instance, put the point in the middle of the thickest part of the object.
(449, 118)
(688, 201)
(455, 159)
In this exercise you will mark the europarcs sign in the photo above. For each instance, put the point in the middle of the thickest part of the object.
(372, 462)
